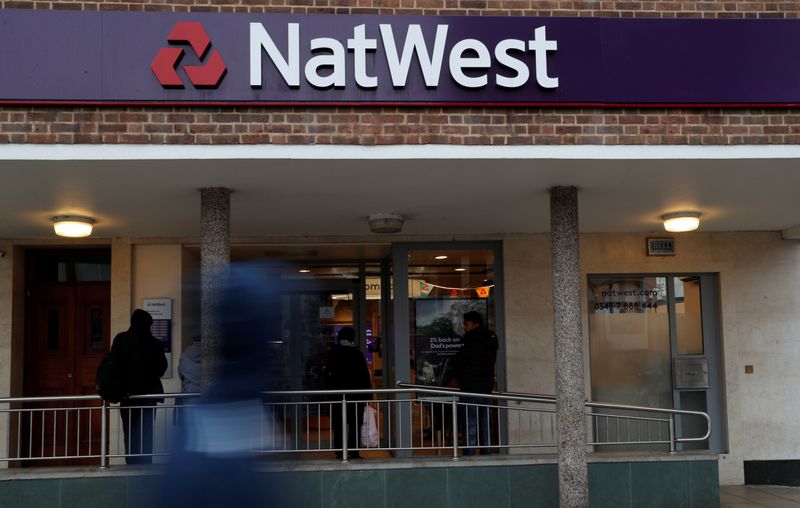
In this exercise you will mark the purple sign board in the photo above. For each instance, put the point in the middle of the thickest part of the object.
(75, 57)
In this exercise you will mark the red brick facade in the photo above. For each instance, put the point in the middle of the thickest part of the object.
(395, 125)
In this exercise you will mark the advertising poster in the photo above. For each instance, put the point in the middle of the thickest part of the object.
(438, 331)
(161, 311)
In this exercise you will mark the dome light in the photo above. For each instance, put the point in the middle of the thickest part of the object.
(681, 222)
(386, 223)
(72, 226)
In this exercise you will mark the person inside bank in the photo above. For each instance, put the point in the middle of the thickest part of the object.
(473, 368)
(346, 369)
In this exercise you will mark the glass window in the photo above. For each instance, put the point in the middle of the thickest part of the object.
(92, 271)
(53, 267)
(96, 328)
(373, 324)
(629, 341)
(688, 316)
(442, 286)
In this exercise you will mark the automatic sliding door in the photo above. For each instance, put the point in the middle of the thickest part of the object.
(310, 320)
(435, 285)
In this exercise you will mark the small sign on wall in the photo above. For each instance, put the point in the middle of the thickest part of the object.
(161, 310)
(660, 246)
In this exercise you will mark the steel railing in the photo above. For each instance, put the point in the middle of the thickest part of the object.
(410, 419)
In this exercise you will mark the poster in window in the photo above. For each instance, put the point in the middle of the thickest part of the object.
(438, 329)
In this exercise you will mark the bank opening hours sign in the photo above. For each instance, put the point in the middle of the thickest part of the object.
(628, 295)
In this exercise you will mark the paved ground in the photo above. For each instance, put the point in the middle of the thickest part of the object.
(759, 496)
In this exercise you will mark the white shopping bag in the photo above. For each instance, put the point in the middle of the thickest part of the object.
(369, 428)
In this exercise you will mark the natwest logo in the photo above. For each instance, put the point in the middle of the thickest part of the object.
(165, 64)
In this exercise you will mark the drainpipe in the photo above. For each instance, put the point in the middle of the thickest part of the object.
(573, 482)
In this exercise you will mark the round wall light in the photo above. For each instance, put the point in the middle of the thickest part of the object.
(72, 226)
(680, 222)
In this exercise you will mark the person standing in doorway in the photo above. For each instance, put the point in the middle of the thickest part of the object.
(473, 368)
(346, 369)
(143, 362)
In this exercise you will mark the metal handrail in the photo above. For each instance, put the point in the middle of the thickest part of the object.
(71, 398)
(347, 397)
(552, 398)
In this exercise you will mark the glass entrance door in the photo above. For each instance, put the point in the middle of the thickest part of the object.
(654, 342)
(435, 285)
(314, 305)
(309, 323)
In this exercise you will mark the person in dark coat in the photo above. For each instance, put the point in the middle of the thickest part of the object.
(142, 358)
(473, 368)
(346, 369)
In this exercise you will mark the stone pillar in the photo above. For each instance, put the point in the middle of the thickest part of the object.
(572, 470)
(215, 258)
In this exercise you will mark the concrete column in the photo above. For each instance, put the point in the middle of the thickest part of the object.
(122, 303)
(572, 471)
(215, 258)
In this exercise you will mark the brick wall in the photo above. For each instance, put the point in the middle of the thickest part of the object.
(608, 8)
(370, 126)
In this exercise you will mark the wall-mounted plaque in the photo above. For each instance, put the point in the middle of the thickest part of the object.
(660, 246)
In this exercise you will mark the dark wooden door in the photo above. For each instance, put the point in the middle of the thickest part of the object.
(67, 336)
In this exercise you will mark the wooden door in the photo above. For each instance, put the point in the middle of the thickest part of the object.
(68, 334)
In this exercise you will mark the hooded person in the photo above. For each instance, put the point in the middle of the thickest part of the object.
(141, 357)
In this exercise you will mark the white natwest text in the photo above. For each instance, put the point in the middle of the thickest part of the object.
(467, 54)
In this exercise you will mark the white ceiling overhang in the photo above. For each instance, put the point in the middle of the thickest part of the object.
(152, 191)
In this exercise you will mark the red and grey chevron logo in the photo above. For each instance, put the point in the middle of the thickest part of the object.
(165, 64)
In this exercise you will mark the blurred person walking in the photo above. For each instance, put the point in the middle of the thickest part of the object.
(213, 459)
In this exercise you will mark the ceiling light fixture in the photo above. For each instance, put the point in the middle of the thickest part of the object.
(386, 223)
(680, 222)
(440, 257)
(304, 270)
(72, 226)
(461, 269)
